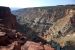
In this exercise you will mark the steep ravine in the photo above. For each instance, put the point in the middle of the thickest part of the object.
(40, 28)
(55, 23)
(41, 19)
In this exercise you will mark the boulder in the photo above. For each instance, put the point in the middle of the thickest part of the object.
(48, 47)
(30, 45)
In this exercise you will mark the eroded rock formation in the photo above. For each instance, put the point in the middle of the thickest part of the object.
(6, 18)
(40, 28)
(50, 23)
(41, 19)
(7, 24)
(11, 39)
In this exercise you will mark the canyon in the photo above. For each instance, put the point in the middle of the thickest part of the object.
(38, 28)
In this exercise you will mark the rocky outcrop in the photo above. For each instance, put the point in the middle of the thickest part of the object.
(7, 25)
(6, 18)
(29, 45)
(7, 28)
